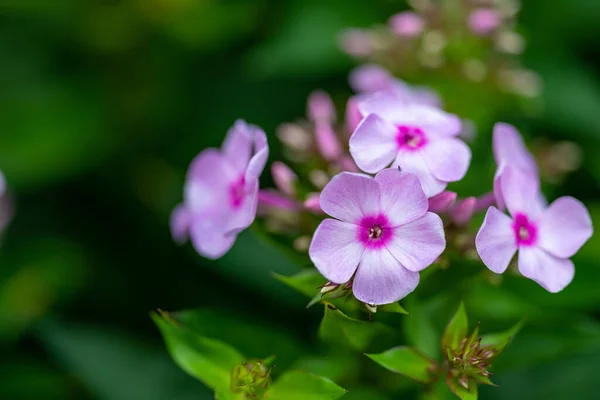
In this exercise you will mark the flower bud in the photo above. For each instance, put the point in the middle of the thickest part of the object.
(353, 115)
(440, 203)
(284, 178)
(273, 199)
(327, 141)
(462, 212)
(356, 42)
(251, 378)
(313, 203)
(484, 21)
(406, 24)
(320, 107)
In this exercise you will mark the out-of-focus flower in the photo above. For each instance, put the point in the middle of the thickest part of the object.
(382, 234)
(313, 203)
(406, 24)
(462, 212)
(483, 21)
(221, 191)
(285, 179)
(509, 150)
(416, 138)
(320, 107)
(356, 42)
(6, 206)
(545, 238)
(442, 202)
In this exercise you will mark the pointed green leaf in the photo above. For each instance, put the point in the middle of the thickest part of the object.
(456, 329)
(460, 391)
(393, 308)
(408, 362)
(306, 282)
(300, 385)
(209, 360)
(501, 339)
(337, 327)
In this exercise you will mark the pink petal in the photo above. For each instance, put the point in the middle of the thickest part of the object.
(284, 178)
(509, 148)
(243, 216)
(412, 161)
(335, 250)
(208, 180)
(353, 115)
(419, 243)
(402, 197)
(373, 144)
(208, 236)
(387, 105)
(498, 195)
(448, 159)
(521, 192)
(552, 273)
(350, 196)
(433, 121)
(440, 203)
(463, 211)
(370, 78)
(313, 203)
(381, 279)
(564, 227)
(327, 141)
(237, 146)
(320, 107)
(495, 241)
(180, 224)
(261, 154)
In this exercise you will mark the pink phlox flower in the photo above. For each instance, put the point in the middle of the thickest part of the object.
(509, 149)
(380, 233)
(406, 24)
(372, 78)
(483, 21)
(544, 237)
(417, 138)
(221, 191)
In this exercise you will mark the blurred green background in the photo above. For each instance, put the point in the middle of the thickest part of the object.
(103, 103)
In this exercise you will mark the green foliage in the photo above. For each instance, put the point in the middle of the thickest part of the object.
(456, 329)
(408, 362)
(298, 385)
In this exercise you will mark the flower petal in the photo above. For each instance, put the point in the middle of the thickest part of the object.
(242, 217)
(448, 159)
(510, 148)
(350, 196)
(261, 154)
(208, 180)
(385, 104)
(412, 161)
(180, 224)
(402, 197)
(552, 273)
(208, 235)
(237, 146)
(373, 144)
(564, 227)
(381, 279)
(419, 243)
(495, 241)
(521, 192)
(432, 120)
(335, 250)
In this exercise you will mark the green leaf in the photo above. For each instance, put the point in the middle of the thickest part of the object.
(337, 327)
(393, 308)
(456, 329)
(421, 333)
(300, 385)
(501, 339)
(209, 360)
(461, 392)
(408, 362)
(306, 282)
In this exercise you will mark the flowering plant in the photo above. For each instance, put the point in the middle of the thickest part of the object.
(367, 203)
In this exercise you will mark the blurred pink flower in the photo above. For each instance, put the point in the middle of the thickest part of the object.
(320, 107)
(440, 203)
(356, 42)
(285, 179)
(382, 234)
(484, 21)
(510, 150)
(545, 237)
(221, 191)
(417, 138)
(406, 24)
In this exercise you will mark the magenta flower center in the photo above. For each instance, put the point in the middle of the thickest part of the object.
(410, 137)
(237, 192)
(525, 230)
(374, 231)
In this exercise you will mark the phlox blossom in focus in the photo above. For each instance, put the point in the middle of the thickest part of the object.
(221, 191)
(418, 138)
(544, 237)
(381, 234)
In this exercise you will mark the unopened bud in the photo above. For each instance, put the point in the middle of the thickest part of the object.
(327, 141)
(484, 21)
(406, 24)
(356, 42)
(284, 178)
(320, 107)
(313, 203)
(353, 115)
(462, 212)
(251, 378)
(372, 308)
(329, 287)
(440, 203)
(464, 382)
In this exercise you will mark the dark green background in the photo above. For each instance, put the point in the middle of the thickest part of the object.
(104, 103)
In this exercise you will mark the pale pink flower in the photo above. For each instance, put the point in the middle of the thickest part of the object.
(510, 150)
(406, 24)
(357, 42)
(221, 191)
(544, 237)
(382, 234)
(484, 21)
(417, 138)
